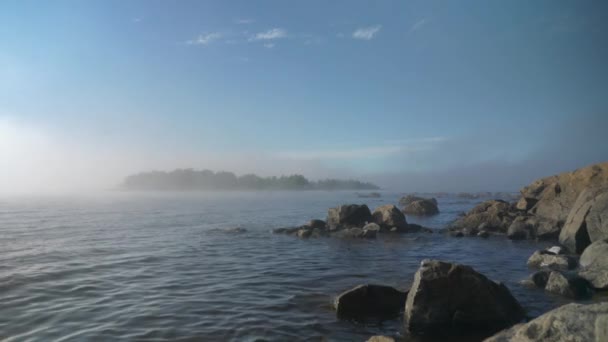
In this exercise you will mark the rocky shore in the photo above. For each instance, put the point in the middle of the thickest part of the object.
(570, 209)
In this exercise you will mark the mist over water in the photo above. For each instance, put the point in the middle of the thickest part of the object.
(159, 266)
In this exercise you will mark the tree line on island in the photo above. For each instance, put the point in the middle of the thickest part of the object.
(204, 180)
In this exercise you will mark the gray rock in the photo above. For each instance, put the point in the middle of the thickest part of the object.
(349, 215)
(597, 218)
(525, 204)
(406, 200)
(388, 216)
(380, 338)
(286, 230)
(520, 229)
(540, 278)
(423, 207)
(594, 264)
(370, 300)
(317, 224)
(492, 215)
(545, 259)
(483, 234)
(568, 285)
(449, 297)
(572, 322)
(574, 234)
(304, 233)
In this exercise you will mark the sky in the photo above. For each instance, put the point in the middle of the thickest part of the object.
(413, 95)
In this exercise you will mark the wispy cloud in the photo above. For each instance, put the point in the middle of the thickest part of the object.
(244, 21)
(269, 45)
(419, 24)
(272, 34)
(366, 33)
(205, 39)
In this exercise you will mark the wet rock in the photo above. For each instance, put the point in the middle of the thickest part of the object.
(304, 233)
(349, 215)
(286, 230)
(424, 207)
(568, 285)
(572, 322)
(594, 264)
(495, 215)
(388, 216)
(546, 259)
(520, 229)
(370, 231)
(483, 234)
(320, 224)
(540, 278)
(455, 298)
(416, 228)
(370, 300)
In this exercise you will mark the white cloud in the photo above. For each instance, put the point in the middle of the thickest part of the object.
(205, 39)
(269, 45)
(366, 33)
(418, 25)
(272, 34)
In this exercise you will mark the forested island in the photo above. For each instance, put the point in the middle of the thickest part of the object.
(207, 180)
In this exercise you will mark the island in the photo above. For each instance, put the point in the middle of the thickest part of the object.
(207, 180)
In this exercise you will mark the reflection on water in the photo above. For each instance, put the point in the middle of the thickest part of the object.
(156, 267)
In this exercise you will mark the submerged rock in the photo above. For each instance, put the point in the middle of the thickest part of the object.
(572, 322)
(370, 300)
(452, 298)
(594, 264)
(348, 215)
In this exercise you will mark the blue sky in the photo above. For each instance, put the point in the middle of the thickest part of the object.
(381, 90)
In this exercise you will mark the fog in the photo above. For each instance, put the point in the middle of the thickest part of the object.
(34, 159)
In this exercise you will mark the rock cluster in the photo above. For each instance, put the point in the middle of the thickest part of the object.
(419, 206)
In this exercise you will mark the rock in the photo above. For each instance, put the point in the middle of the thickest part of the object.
(555, 250)
(594, 264)
(388, 216)
(520, 229)
(470, 231)
(304, 233)
(544, 259)
(457, 234)
(406, 200)
(597, 218)
(568, 286)
(320, 224)
(423, 207)
(572, 322)
(370, 300)
(495, 215)
(556, 195)
(483, 234)
(543, 229)
(574, 234)
(349, 215)
(456, 298)
(525, 204)
(540, 278)
(317, 233)
(380, 338)
(370, 231)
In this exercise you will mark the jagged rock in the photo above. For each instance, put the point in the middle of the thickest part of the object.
(525, 204)
(406, 200)
(545, 259)
(370, 300)
(388, 216)
(495, 215)
(423, 207)
(568, 285)
(597, 218)
(370, 231)
(520, 229)
(572, 322)
(574, 234)
(452, 297)
(594, 264)
(556, 195)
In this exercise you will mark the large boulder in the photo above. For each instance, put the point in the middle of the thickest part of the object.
(422, 207)
(448, 297)
(572, 322)
(406, 200)
(495, 215)
(597, 218)
(574, 235)
(594, 264)
(389, 216)
(555, 195)
(370, 300)
(348, 215)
